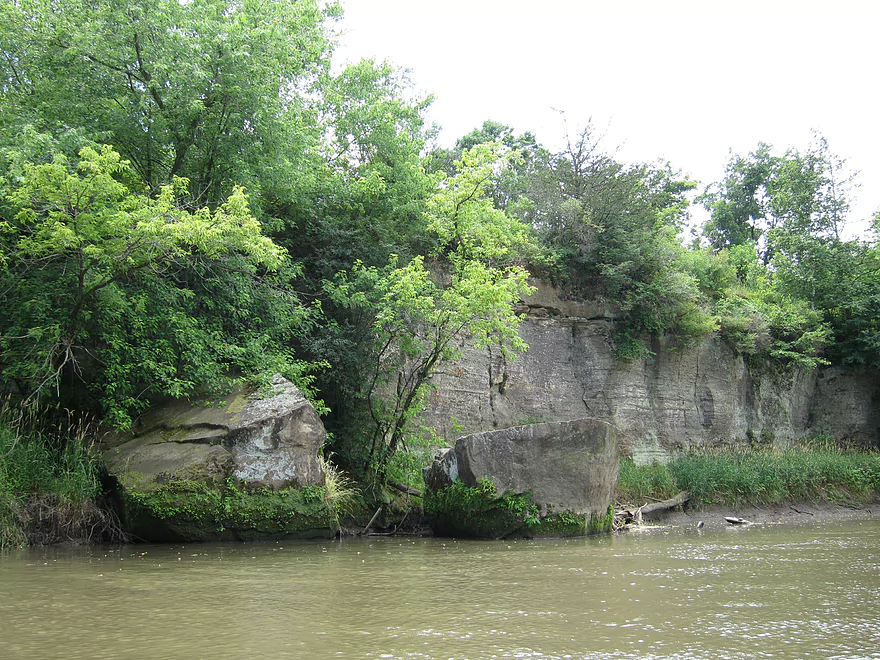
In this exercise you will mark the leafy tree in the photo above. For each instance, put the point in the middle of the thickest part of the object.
(613, 229)
(367, 190)
(738, 203)
(417, 316)
(814, 291)
(513, 188)
(374, 125)
(205, 90)
(466, 222)
(765, 199)
(133, 296)
(362, 199)
(490, 131)
(841, 281)
(418, 324)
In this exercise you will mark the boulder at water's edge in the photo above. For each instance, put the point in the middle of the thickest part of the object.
(244, 468)
(549, 479)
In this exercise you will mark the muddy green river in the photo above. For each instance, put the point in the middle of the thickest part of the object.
(758, 592)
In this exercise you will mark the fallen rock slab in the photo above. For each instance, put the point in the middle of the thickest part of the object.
(247, 467)
(549, 479)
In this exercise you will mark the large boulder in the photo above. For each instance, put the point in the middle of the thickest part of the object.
(549, 479)
(246, 467)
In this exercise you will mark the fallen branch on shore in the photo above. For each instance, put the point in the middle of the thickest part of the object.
(403, 488)
(634, 516)
(372, 520)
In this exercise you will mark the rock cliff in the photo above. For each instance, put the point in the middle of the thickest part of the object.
(680, 398)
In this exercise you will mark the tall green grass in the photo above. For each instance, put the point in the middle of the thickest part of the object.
(49, 478)
(808, 472)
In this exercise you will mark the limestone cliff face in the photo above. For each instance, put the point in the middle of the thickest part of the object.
(680, 398)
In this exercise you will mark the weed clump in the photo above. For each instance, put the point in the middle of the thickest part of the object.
(50, 479)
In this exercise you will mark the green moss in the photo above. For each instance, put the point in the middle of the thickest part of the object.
(459, 510)
(601, 524)
(560, 524)
(479, 512)
(193, 511)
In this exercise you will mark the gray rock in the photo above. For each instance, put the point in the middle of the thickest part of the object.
(261, 441)
(564, 465)
(566, 469)
(237, 470)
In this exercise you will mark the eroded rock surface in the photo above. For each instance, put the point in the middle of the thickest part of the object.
(703, 395)
(185, 465)
(264, 441)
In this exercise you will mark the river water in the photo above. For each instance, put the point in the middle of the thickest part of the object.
(757, 592)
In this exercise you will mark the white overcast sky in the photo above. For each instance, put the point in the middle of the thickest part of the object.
(680, 80)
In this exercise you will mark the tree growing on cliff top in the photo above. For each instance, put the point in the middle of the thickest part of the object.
(764, 198)
(613, 230)
(816, 294)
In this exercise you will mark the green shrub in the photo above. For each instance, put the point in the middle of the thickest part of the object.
(49, 478)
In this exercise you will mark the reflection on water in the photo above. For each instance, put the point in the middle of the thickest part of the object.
(735, 593)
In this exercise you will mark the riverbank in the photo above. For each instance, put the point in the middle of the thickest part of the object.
(51, 488)
(815, 470)
(785, 513)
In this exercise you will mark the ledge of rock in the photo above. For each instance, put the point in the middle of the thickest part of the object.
(189, 472)
(549, 479)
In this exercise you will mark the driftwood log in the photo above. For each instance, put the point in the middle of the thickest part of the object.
(403, 488)
(630, 516)
(372, 520)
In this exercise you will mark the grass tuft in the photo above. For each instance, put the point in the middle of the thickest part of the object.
(50, 479)
(340, 492)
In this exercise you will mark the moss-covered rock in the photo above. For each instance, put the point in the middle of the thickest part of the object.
(554, 479)
(194, 511)
(459, 510)
(246, 468)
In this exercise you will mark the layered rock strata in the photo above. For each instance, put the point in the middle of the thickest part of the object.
(679, 398)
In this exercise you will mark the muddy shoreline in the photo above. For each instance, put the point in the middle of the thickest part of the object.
(801, 513)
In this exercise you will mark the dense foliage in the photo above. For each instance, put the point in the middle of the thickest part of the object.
(191, 196)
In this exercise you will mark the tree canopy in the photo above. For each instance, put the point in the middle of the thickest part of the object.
(209, 90)
(190, 195)
(132, 296)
